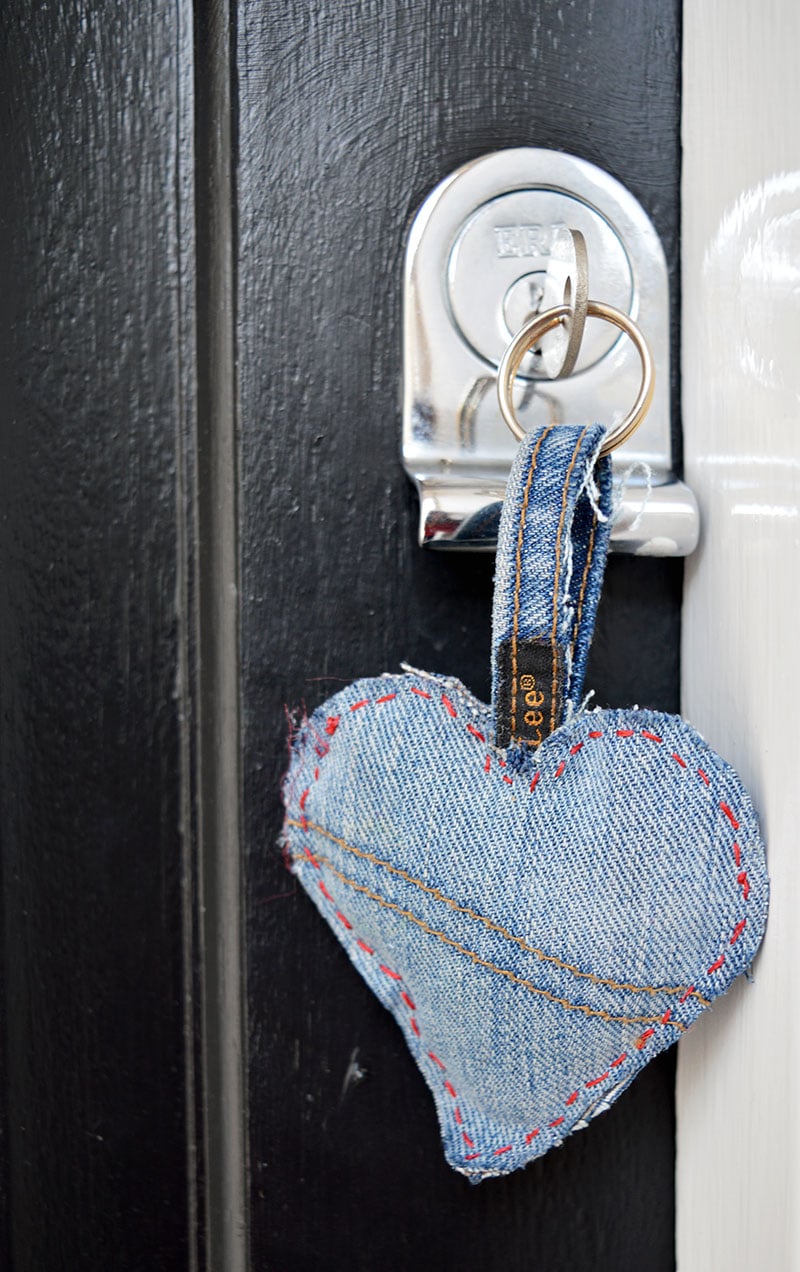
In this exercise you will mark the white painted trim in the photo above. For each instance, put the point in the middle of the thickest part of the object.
(738, 1168)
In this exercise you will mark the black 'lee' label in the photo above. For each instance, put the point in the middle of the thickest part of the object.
(530, 678)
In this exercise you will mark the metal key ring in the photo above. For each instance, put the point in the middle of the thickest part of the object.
(531, 334)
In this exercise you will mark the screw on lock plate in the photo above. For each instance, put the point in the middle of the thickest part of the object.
(489, 248)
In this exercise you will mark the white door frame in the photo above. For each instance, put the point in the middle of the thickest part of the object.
(738, 1162)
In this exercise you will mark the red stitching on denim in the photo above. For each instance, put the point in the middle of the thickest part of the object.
(449, 707)
(473, 955)
(593, 1082)
(741, 878)
(408, 1000)
(595, 733)
(447, 1084)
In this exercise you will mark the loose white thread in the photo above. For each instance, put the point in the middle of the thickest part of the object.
(619, 496)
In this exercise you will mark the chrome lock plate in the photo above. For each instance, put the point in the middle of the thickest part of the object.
(490, 248)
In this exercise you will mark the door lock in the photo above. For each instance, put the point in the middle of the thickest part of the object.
(489, 249)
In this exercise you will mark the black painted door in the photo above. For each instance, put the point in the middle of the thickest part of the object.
(204, 520)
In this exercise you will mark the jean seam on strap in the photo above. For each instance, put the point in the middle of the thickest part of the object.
(584, 581)
(557, 575)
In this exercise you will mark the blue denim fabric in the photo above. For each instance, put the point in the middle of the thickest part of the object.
(541, 921)
(552, 548)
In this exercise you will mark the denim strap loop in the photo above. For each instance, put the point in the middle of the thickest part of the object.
(551, 554)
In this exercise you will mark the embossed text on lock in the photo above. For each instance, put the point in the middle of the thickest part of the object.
(526, 240)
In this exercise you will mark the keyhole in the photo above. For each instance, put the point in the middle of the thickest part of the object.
(528, 296)
(536, 291)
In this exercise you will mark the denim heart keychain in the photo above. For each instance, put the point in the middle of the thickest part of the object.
(544, 897)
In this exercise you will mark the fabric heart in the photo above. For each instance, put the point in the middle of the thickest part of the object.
(542, 911)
